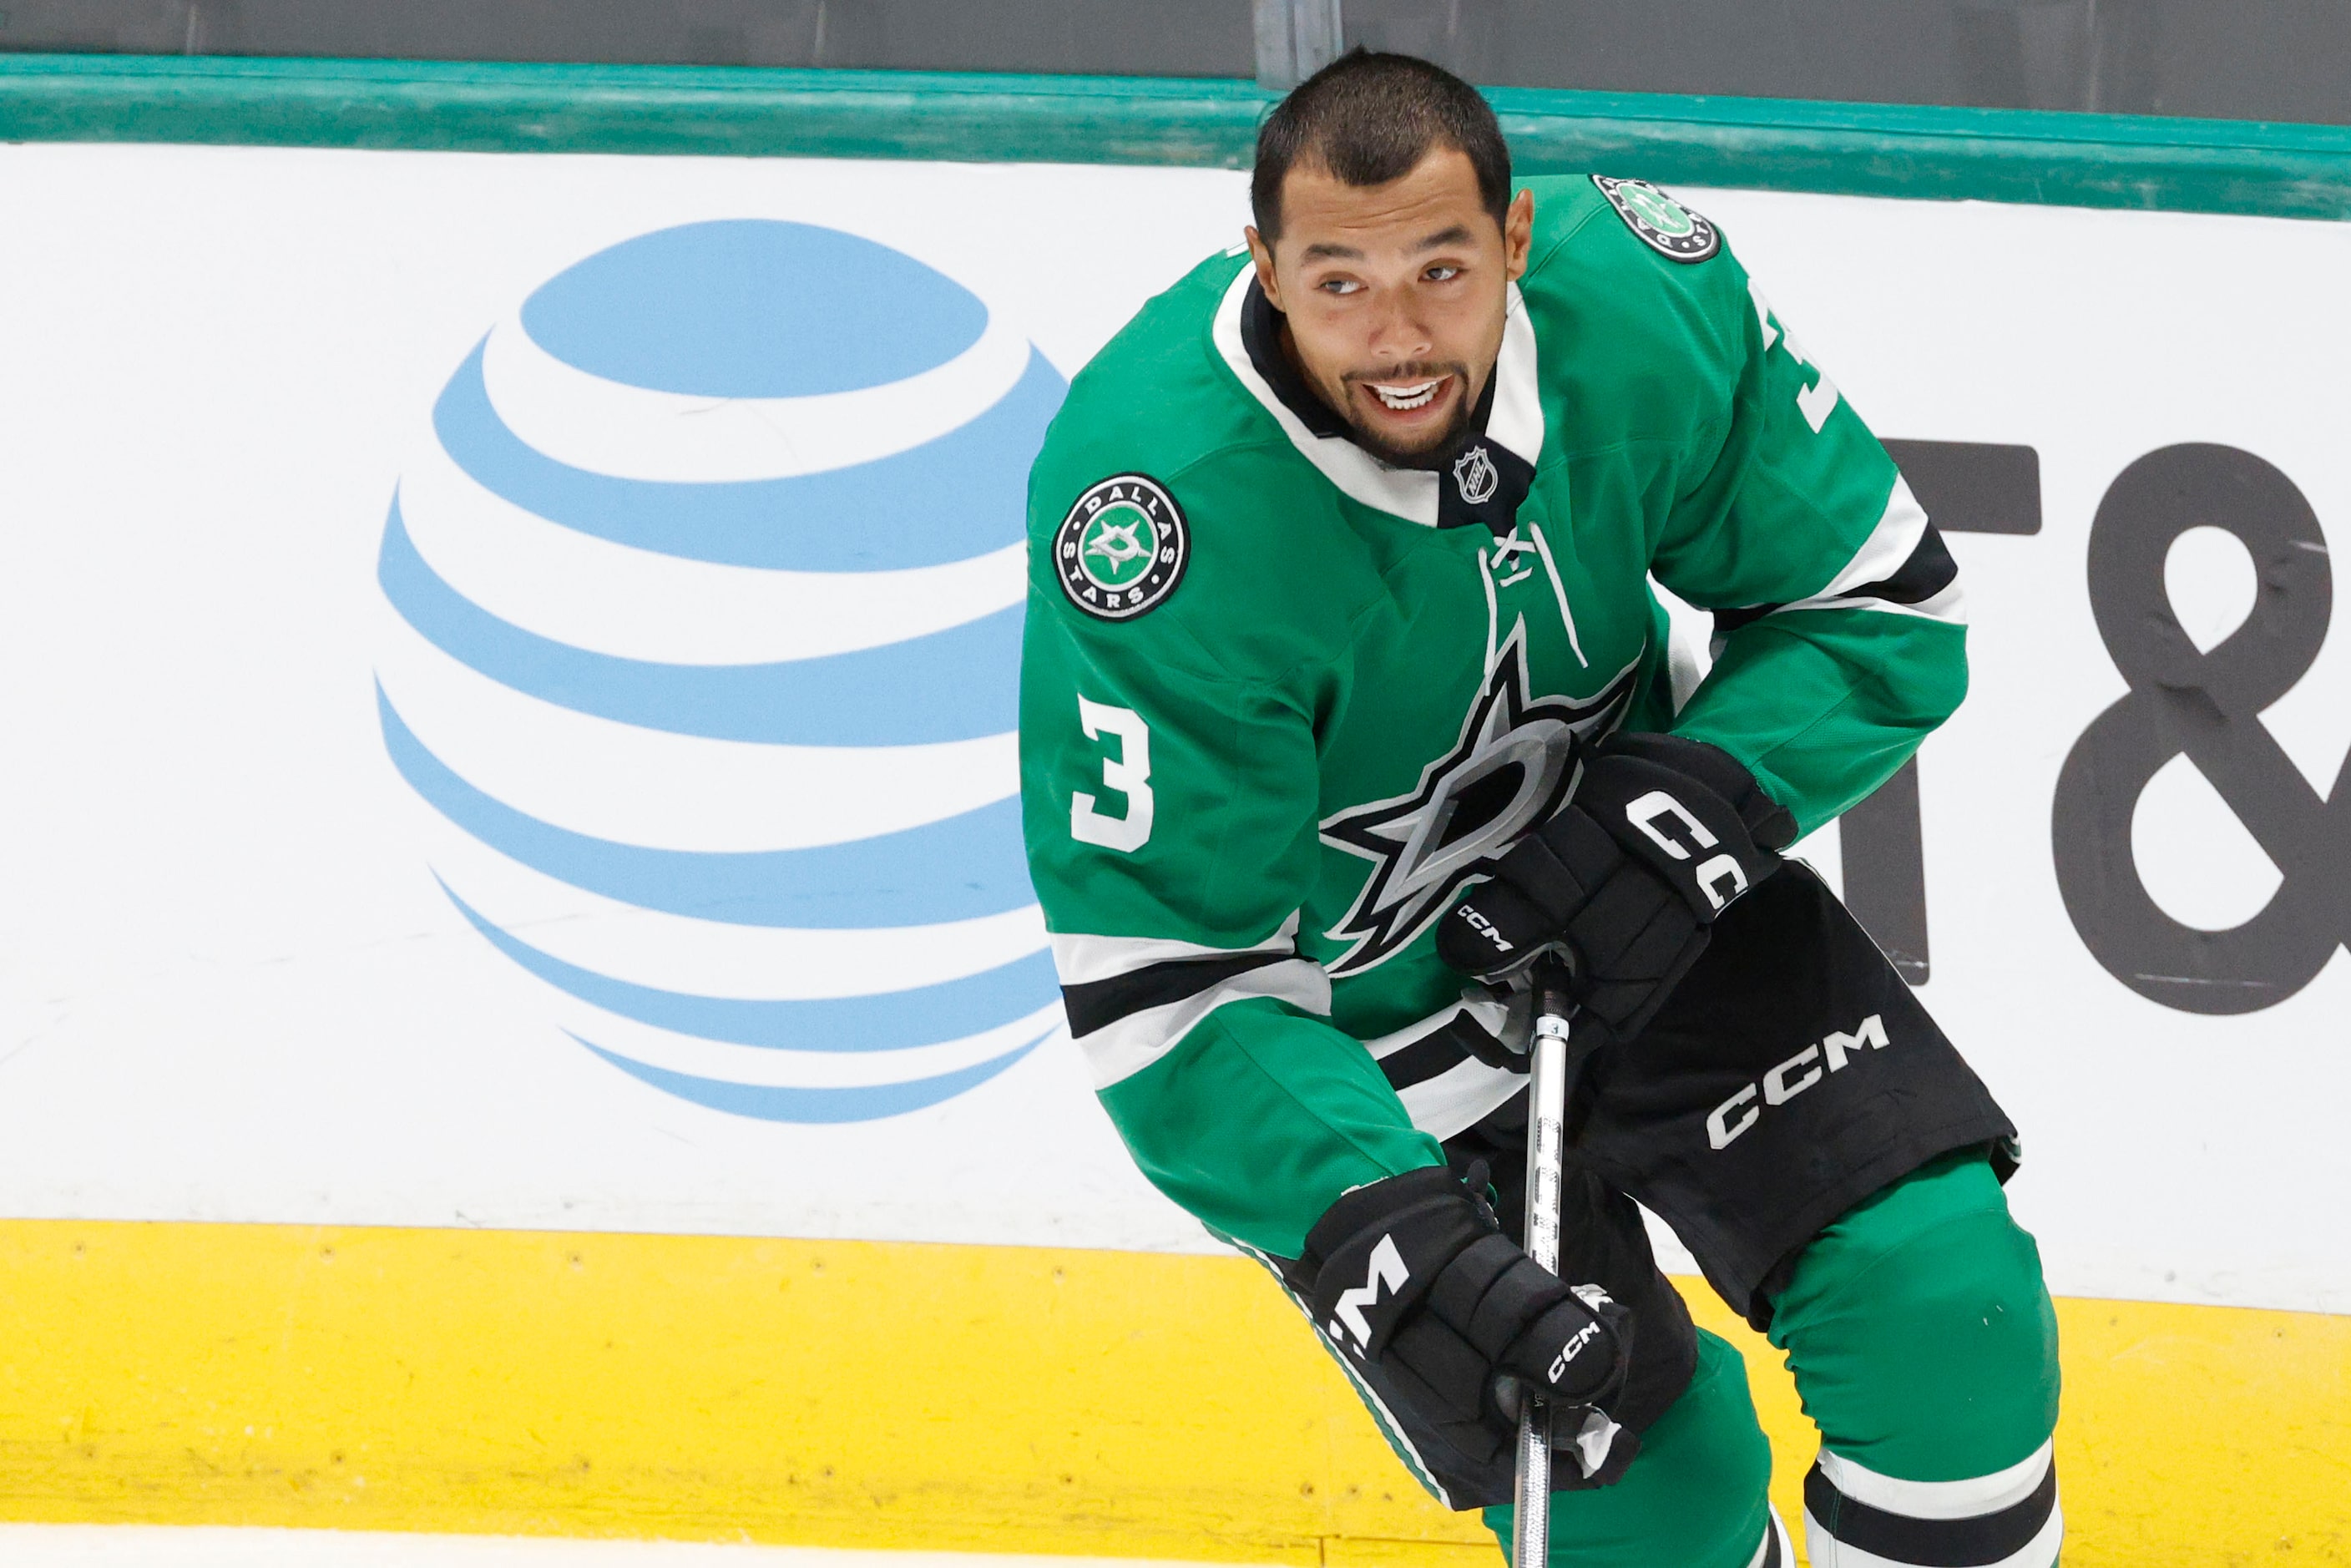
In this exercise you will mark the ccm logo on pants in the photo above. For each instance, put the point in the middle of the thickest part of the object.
(1790, 1078)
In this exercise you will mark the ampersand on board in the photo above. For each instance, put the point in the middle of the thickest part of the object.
(2209, 706)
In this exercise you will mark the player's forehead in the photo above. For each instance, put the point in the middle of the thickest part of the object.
(1434, 206)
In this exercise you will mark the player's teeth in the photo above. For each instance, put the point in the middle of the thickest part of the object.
(1405, 398)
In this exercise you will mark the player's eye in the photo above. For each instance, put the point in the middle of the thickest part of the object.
(1339, 286)
(1442, 273)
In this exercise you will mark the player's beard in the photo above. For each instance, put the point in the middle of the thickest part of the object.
(1428, 453)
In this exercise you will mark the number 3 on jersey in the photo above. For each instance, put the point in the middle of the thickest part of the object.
(1129, 773)
(1816, 401)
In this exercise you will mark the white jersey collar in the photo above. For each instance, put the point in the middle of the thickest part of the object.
(1516, 422)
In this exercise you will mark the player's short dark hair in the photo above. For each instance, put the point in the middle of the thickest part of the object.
(1371, 118)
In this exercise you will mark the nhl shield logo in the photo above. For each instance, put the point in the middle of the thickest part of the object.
(1474, 476)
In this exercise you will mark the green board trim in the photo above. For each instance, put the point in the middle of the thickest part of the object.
(2004, 155)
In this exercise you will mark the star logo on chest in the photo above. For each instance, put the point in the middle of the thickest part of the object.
(1510, 769)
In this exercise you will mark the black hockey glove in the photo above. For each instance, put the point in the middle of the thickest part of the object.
(1413, 1275)
(1660, 835)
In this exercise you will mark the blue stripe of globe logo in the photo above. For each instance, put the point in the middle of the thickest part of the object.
(704, 635)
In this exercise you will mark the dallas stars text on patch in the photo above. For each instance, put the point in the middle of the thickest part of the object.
(1123, 547)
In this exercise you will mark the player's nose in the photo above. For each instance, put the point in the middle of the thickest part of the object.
(1398, 334)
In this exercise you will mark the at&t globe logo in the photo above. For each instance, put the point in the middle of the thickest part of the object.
(706, 630)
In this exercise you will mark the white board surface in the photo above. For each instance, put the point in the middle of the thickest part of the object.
(232, 988)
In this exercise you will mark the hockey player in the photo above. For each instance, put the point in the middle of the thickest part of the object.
(1345, 693)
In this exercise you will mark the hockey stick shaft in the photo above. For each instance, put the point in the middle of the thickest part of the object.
(1546, 1153)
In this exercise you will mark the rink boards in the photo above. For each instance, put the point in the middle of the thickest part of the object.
(522, 1007)
(917, 1395)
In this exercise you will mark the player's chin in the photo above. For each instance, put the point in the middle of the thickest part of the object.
(1408, 431)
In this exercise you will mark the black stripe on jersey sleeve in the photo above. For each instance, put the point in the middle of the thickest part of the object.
(1728, 621)
(1440, 1051)
(1097, 1004)
(1927, 573)
(1972, 1542)
(1433, 1053)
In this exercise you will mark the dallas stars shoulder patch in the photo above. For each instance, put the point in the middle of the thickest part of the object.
(1665, 226)
(1123, 549)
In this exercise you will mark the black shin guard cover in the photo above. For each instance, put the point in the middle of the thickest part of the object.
(1414, 1275)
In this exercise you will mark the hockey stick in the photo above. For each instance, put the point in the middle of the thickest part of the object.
(1554, 1069)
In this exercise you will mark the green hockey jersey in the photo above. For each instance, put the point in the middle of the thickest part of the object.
(1280, 702)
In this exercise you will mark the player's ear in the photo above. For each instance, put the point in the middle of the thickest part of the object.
(1518, 234)
(1262, 255)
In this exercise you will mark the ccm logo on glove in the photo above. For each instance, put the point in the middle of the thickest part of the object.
(1660, 835)
(1488, 929)
(1412, 1275)
(1574, 1348)
(1712, 875)
(1387, 1270)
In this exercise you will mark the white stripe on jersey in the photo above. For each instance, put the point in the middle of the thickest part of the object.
(1081, 959)
(1460, 1097)
(1899, 529)
(1119, 1050)
(1889, 545)
(1493, 1014)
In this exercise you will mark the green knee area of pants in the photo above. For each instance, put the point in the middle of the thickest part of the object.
(1694, 1498)
(1921, 1336)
